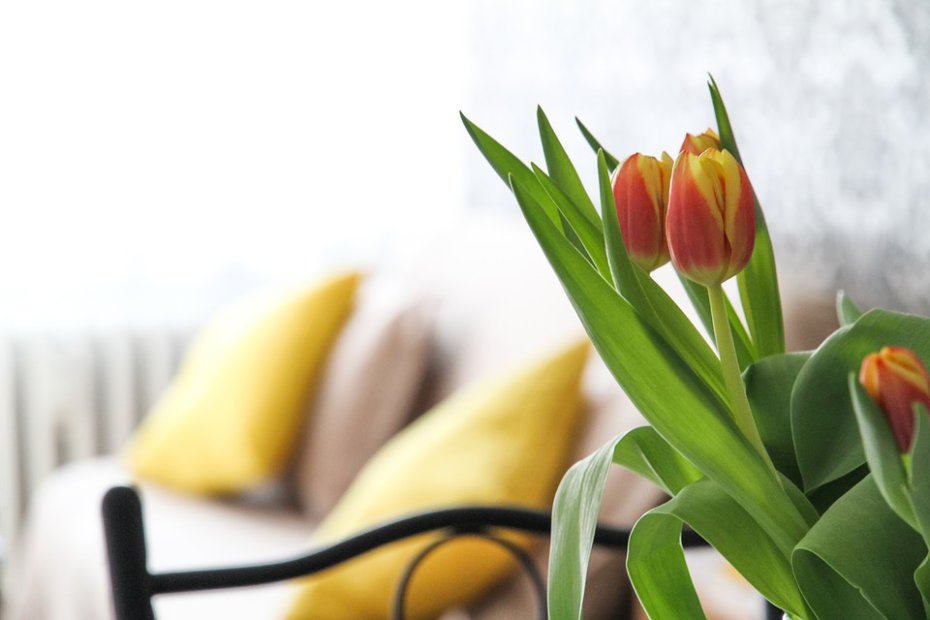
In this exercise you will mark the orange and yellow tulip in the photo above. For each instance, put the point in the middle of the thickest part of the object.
(711, 221)
(896, 380)
(641, 186)
(701, 142)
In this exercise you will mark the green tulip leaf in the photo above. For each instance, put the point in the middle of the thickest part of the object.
(758, 282)
(612, 162)
(562, 171)
(589, 235)
(574, 520)
(651, 301)
(697, 293)
(823, 424)
(673, 399)
(858, 561)
(768, 386)
(506, 165)
(919, 475)
(846, 311)
(922, 580)
(573, 237)
(643, 451)
(881, 452)
(656, 564)
(823, 496)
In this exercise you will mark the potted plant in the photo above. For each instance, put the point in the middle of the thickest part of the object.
(809, 472)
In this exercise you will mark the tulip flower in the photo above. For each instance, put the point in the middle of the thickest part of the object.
(711, 221)
(896, 379)
(640, 188)
(701, 142)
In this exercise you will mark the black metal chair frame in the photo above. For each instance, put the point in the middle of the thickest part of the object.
(134, 586)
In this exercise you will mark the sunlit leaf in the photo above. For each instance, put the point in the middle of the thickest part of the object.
(655, 561)
(671, 397)
(506, 165)
(651, 301)
(758, 282)
(562, 171)
(574, 520)
(612, 162)
(589, 235)
(643, 451)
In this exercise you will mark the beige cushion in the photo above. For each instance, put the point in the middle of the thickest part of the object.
(367, 392)
(498, 300)
(626, 497)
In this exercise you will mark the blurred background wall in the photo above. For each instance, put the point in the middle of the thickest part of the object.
(829, 101)
(158, 160)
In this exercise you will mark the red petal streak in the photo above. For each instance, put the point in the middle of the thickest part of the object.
(696, 240)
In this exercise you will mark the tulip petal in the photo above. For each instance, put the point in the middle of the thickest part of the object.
(694, 225)
(739, 212)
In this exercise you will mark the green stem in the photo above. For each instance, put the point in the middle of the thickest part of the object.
(732, 377)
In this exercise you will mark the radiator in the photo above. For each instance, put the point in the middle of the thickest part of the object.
(69, 397)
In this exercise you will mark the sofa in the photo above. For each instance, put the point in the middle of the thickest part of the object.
(475, 299)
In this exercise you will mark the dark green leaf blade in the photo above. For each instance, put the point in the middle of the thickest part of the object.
(858, 561)
(768, 386)
(919, 475)
(612, 162)
(661, 387)
(881, 452)
(758, 282)
(562, 171)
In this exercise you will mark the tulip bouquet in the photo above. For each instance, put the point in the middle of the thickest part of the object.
(809, 471)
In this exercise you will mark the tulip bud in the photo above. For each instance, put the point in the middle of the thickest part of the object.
(701, 142)
(640, 187)
(711, 220)
(896, 379)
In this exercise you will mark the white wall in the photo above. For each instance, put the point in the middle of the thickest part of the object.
(159, 158)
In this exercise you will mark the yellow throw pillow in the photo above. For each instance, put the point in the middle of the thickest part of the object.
(231, 416)
(504, 443)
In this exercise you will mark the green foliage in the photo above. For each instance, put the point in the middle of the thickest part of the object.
(758, 282)
(881, 451)
(668, 393)
(823, 424)
(642, 450)
(837, 549)
(574, 519)
(612, 162)
(655, 561)
(846, 311)
(768, 386)
(859, 559)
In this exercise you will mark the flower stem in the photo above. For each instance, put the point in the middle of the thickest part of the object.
(742, 413)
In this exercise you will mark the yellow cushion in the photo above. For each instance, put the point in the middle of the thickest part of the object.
(229, 419)
(504, 442)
